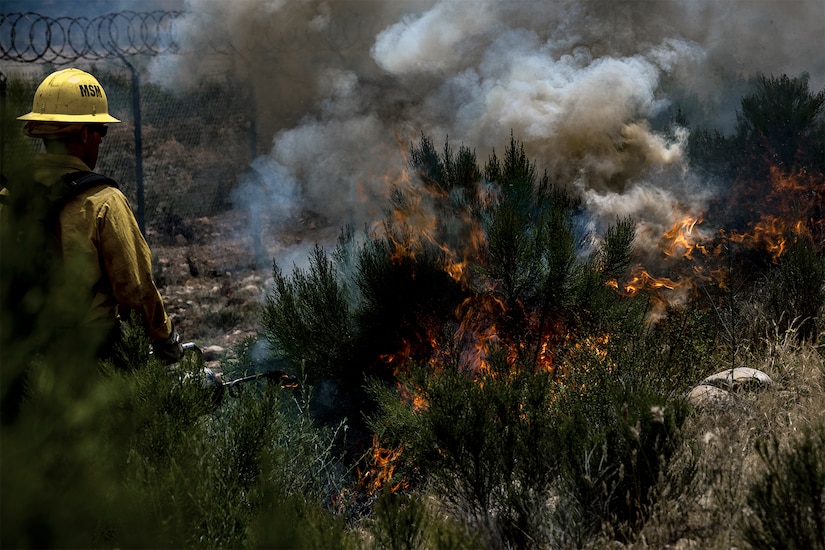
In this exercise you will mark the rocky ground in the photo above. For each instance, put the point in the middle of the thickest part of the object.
(211, 278)
(214, 272)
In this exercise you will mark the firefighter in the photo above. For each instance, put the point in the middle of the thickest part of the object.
(99, 238)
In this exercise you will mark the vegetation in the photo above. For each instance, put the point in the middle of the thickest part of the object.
(467, 380)
(788, 501)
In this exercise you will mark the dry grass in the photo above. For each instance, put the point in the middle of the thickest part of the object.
(704, 496)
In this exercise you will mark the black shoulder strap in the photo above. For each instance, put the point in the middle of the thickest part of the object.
(70, 184)
(74, 183)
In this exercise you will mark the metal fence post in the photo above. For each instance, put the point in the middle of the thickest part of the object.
(141, 203)
(3, 119)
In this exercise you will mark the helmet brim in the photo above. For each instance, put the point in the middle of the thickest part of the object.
(88, 119)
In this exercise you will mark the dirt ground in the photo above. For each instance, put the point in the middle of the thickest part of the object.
(211, 278)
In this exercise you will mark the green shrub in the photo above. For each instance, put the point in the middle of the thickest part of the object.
(403, 521)
(787, 503)
(307, 317)
(141, 458)
(483, 444)
(487, 438)
(616, 442)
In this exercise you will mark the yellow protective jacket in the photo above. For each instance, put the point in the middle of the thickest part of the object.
(101, 240)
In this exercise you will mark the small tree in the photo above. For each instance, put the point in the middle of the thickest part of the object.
(782, 124)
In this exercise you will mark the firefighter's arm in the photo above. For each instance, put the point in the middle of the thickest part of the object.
(127, 261)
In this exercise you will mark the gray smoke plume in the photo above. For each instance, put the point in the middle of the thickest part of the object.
(343, 88)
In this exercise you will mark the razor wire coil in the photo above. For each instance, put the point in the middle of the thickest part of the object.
(34, 38)
(29, 37)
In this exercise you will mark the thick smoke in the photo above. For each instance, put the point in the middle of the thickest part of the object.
(343, 88)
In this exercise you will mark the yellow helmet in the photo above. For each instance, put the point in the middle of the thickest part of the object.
(70, 95)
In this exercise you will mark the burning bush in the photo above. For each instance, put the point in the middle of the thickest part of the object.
(485, 444)
(478, 282)
(459, 266)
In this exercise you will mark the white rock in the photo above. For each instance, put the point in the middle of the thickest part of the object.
(739, 377)
(706, 396)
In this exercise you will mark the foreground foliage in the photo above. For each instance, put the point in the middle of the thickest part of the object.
(139, 459)
(788, 500)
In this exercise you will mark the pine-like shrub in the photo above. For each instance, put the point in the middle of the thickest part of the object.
(786, 504)
(615, 446)
(484, 444)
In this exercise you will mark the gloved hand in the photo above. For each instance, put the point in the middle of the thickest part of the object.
(170, 350)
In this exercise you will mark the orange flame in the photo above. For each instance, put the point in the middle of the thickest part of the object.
(415, 224)
(381, 469)
(640, 279)
(399, 357)
(790, 198)
(684, 237)
(690, 254)
(772, 233)
(477, 333)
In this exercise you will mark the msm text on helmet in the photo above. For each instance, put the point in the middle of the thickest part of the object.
(90, 90)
